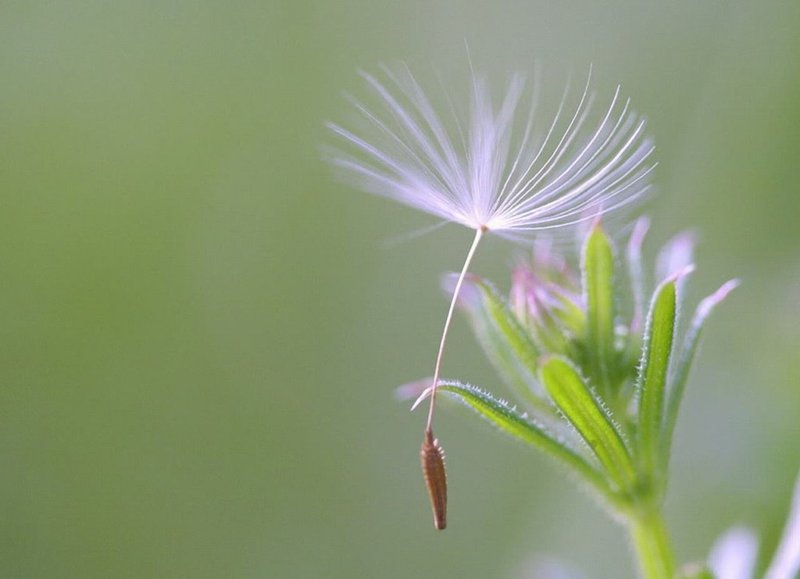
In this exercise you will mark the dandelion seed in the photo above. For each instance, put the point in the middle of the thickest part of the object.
(492, 178)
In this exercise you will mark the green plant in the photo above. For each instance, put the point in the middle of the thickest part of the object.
(598, 378)
(598, 370)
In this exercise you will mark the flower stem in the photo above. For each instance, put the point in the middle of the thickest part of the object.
(651, 544)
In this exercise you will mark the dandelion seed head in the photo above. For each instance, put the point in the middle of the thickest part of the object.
(503, 167)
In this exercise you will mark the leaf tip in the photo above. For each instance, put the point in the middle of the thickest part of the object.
(411, 390)
(545, 360)
(421, 398)
(680, 274)
(469, 294)
(636, 240)
(718, 296)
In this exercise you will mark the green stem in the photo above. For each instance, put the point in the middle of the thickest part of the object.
(652, 545)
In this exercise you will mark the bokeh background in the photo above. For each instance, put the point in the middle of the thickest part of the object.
(201, 328)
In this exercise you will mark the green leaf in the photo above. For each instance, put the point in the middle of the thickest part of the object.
(659, 334)
(505, 341)
(589, 418)
(680, 373)
(533, 432)
(598, 272)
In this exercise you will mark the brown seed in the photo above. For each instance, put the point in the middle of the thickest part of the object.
(432, 458)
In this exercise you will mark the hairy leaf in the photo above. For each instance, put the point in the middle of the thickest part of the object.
(659, 334)
(528, 430)
(589, 417)
(598, 273)
(680, 373)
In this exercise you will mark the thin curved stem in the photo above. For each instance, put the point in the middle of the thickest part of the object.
(437, 368)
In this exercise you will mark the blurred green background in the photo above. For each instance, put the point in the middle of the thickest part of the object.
(201, 328)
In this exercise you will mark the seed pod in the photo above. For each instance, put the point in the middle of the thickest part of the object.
(432, 459)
